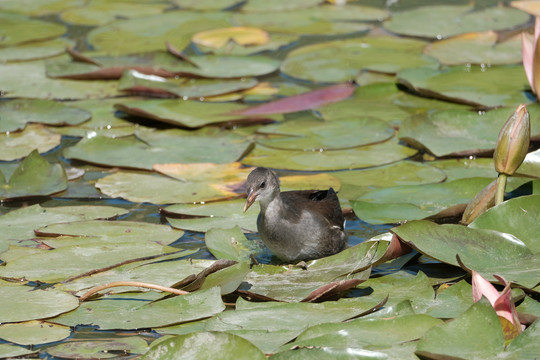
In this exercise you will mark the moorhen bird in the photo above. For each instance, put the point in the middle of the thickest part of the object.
(296, 225)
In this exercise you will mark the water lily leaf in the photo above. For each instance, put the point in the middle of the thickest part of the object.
(206, 4)
(45, 7)
(383, 101)
(309, 134)
(365, 156)
(19, 224)
(18, 29)
(529, 6)
(34, 177)
(230, 244)
(204, 345)
(100, 12)
(35, 50)
(448, 303)
(20, 144)
(161, 147)
(343, 60)
(133, 313)
(190, 114)
(439, 21)
(476, 48)
(23, 303)
(242, 35)
(8, 350)
(531, 164)
(486, 251)
(411, 202)
(275, 41)
(352, 263)
(305, 101)
(362, 333)
(318, 20)
(33, 332)
(98, 349)
(355, 183)
(158, 189)
(261, 6)
(517, 216)
(476, 86)
(227, 279)
(219, 214)
(458, 132)
(148, 33)
(321, 181)
(17, 113)
(137, 83)
(28, 80)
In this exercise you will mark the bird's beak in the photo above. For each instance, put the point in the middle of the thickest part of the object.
(250, 199)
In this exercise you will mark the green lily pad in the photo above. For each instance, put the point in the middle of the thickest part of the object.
(23, 303)
(476, 86)
(18, 29)
(39, 8)
(230, 244)
(459, 132)
(277, 41)
(206, 4)
(136, 82)
(476, 48)
(100, 12)
(204, 345)
(343, 60)
(33, 332)
(531, 164)
(261, 6)
(35, 50)
(19, 224)
(355, 183)
(220, 214)
(190, 114)
(318, 20)
(411, 202)
(20, 144)
(28, 80)
(517, 216)
(133, 313)
(449, 303)
(486, 251)
(365, 156)
(148, 33)
(160, 147)
(98, 349)
(439, 21)
(17, 113)
(8, 350)
(227, 279)
(309, 133)
(33, 177)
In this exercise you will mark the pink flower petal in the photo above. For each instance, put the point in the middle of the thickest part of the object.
(527, 51)
(482, 287)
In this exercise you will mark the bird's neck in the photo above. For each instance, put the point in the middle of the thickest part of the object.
(271, 202)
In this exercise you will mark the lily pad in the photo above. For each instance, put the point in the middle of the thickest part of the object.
(206, 4)
(203, 217)
(318, 20)
(486, 251)
(204, 345)
(476, 48)
(15, 114)
(133, 313)
(439, 21)
(98, 349)
(18, 29)
(35, 50)
(39, 8)
(472, 85)
(186, 113)
(365, 156)
(261, 6)
(138, 83)
(218, 38)
(517, 216)
(23, 303)
(459, 132)
(20, 144)
(343, 60)
(310, 134)
(28, 80)
(230, 244)
(160, 147)
(411, 202)
(276, 41)
(33, 332)
(149, 34)
(35, 176)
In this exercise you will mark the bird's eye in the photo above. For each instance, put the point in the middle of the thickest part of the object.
(263, 184)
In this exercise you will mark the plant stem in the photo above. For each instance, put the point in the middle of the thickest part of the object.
(501, 186)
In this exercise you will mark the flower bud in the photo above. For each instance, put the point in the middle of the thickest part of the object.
(513, 142)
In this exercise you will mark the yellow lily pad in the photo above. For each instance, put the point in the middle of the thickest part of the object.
(242, 35)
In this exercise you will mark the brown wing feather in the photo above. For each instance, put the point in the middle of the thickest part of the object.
(324, 202)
